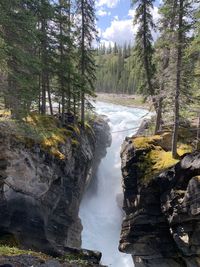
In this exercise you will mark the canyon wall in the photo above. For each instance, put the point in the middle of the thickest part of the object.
(161, 227)
(40, 193)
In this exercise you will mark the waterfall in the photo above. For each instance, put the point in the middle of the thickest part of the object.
(100, 213)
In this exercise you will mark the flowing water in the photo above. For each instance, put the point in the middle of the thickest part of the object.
(100, 214)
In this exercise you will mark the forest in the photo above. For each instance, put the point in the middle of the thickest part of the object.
(46, 55)
(48, 58)
(116, 70)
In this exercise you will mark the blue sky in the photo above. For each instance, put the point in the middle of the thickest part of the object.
(115, 20)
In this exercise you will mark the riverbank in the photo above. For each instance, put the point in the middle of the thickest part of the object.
(133, 101)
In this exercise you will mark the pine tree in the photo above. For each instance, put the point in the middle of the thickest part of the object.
(65, 48)
(115, 49)
(18, 30)
(194, 48)
(176, 23)
(45, 14)
(183, 27)
(86, 35)
(144, 49)
(163, 49)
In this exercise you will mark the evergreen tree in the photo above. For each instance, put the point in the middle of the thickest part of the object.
(163, 49)
(117, 73)
(64, 57)
(176, 23)
(194, 48)
(144, 49)
(182, 27)
(18, 26)
(45, 13)
(86, 35)
(115, 49)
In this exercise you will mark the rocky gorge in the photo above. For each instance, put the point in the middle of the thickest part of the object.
(41, 189)
(162, 204)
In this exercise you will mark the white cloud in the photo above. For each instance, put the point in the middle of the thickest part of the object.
(108, 3)
(156, 15)
(101, 12)
(131, 13)
(123, 30)
(120, 31)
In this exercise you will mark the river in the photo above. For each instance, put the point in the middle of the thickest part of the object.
(100, 214)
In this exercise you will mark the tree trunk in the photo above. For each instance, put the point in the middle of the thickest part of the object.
(159, 115)
(83, 66)
(49, 97)
(178, 81)
(69, 96)
(198, 132)
(147, 63)
(44, 72)
(59, 108)
(63, 106)
(74, 106)
(61, 62)
(69, 52)
(43, 95)
(39, 96)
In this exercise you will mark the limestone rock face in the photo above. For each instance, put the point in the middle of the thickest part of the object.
(40, 194)
(162, 223)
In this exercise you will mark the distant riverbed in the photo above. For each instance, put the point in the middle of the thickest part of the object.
(133, 101)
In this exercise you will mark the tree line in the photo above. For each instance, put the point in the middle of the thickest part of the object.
(46, 56)
(117, 70)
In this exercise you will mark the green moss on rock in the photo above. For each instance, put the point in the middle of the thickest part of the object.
(8, 240)
(157, 155)
(14, 251)
(44, 130)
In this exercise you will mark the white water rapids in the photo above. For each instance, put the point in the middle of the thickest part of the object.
(101, 216)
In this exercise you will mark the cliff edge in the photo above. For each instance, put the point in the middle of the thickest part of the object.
(44, 170)
(162, 203)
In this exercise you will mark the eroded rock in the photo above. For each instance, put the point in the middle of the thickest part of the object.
(40, 193)
(162, 222)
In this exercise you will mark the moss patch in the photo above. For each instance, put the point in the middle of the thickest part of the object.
(157, 155)
(8, 240)
(75, 259)
(44, 130)
(5, 113)
(8, 251)
(13, 251)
